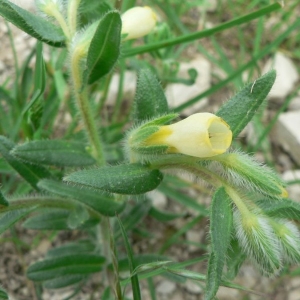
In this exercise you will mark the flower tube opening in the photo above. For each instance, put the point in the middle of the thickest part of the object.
(200, 135)
(219, 135)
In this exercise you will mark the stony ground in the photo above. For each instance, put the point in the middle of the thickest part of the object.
(286, 144)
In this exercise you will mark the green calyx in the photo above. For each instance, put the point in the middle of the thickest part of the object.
(244, 171)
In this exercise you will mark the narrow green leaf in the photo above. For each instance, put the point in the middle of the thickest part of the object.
(234, 260)
(163, 216)
(71, 264)
(55, 220)
(32, 24)
(140, 260)
(3, 200)
(132, 217)
(186, 273)
(9, 218)
(161, 120)
(173, 239)
(64, 281)
(150, 100)
(77, 247)
(54, 152)
(97, 201)
(270, 47)
(107, 294)
(104, 49)
(285, 208)
(151, 266)
(220, 233)
(201, 277)
(203, 33)
(91, 10)
(240, 109)
(3, 294)
(121, 179)
(134, 278)
(31, 173)
(162, 270)
(39, 78)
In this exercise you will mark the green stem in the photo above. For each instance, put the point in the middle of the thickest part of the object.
(191, 164)
(109, 252)
(82, 98)
(120, 91)
(52, 10)
(72, 15)
(84, 107)
(90, 126)
(105, 92)
(242, 207)
(263, 52)
(204, 33)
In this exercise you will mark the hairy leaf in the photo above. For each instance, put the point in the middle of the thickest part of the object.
(104, 49)
(239, 110)
(121, 179)
(32, 24)
(31, 173)
(54, 152)
(150, 100)
(220, 232)
(95, 200)
(71, 264)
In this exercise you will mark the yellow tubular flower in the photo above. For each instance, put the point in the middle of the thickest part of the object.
(199, 135)
(137, 22)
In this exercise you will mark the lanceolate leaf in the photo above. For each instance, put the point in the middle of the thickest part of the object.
(234, 260)
(55, 220)
(32, 24)
(240, 109)
(132, 265)
(141, 259)
(132, 217)
(7, 219)
(104, 49)
(164, 216)
(3, 200)
(60, 282)
(284, 208)
(93, 199)
(77, 247)
(31, 173)
(220, 232)
(54, 152)
(78, 264)
(150, 100)
(39, 77)
(122, 179)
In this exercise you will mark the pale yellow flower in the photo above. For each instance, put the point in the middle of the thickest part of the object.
(200, 135)
(137, 22)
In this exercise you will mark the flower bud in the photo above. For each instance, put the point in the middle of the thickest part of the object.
(200, 135)
(289, 238)
(137, 22)
(245, 171)
(258, 240)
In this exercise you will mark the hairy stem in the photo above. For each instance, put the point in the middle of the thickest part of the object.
(72, 15)
(191, 164)
(52, 10)
(81, 95)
